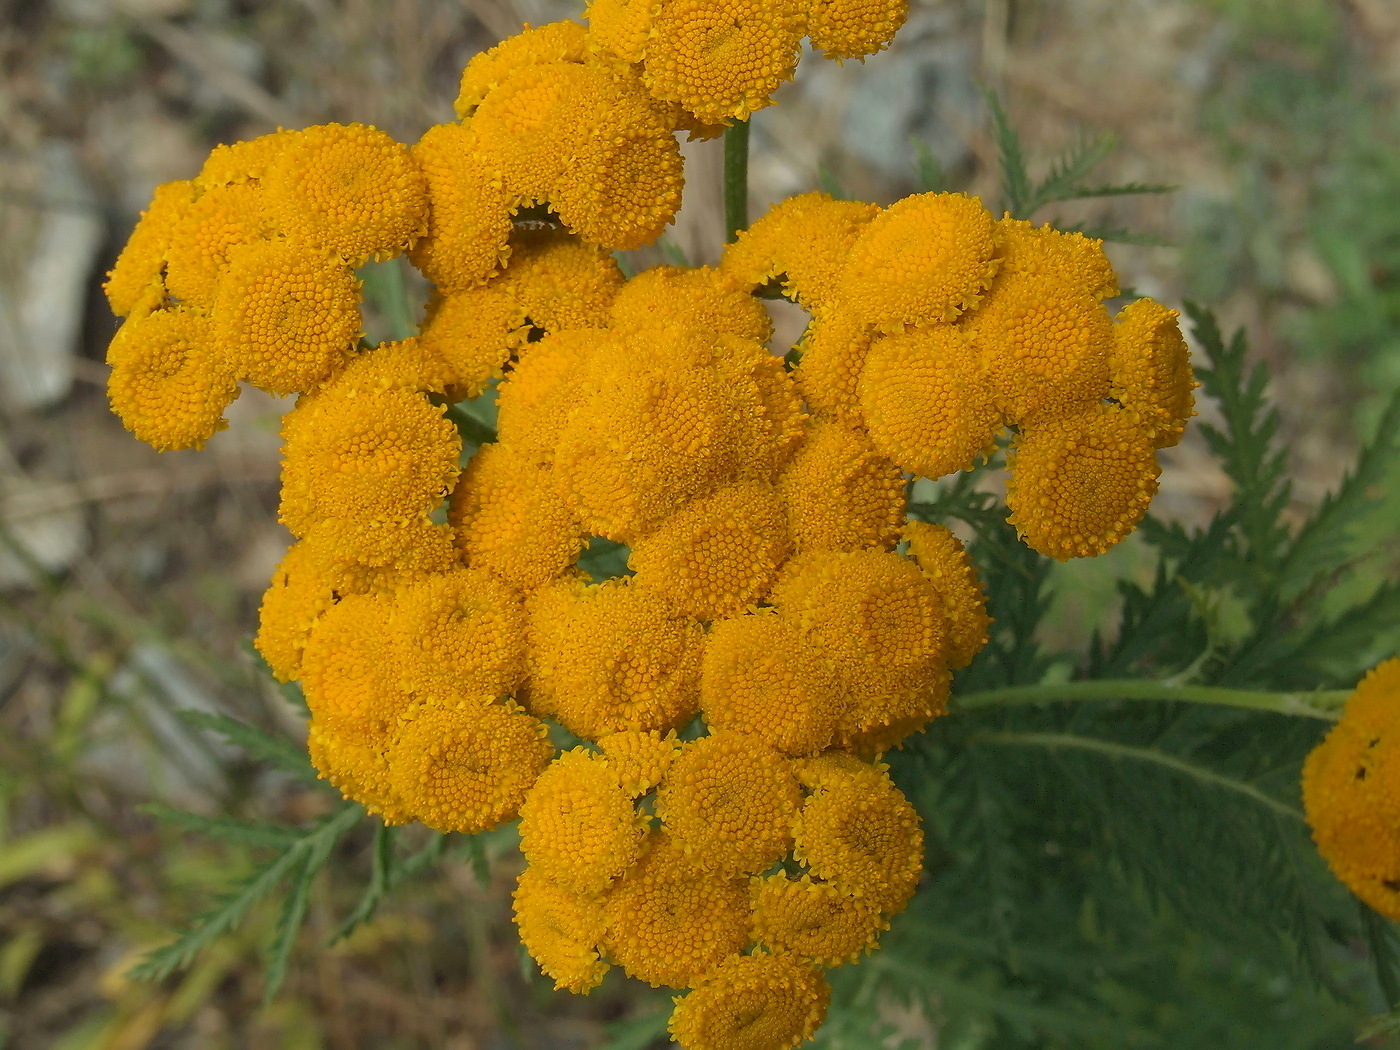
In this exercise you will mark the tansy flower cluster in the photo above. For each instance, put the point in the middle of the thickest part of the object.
(1351, 791)
(722, 825)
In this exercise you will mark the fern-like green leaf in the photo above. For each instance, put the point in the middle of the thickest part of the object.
(1068, 172)
(274, 750)
(1015, 180)
(928, 172)
(312, 858)
(229, 829)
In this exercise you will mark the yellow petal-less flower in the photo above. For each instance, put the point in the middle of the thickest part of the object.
(717, 554)
(350, 189)
(702, 299)
(926, 401)
(854, 28)
(722, 59)
(669, 923)
(768, 413)
(621, 27)
(1045, 345)
(466, 764)
(942, 558)
(1072, 257)
(287, 316)
(510, 519)
(535, 400)
(169, 383)
(405, 365)
(296, 598)
(143, 256)
(752, 1002)
(761, 678)
(561, 282)
(356, 769)
(924, 259)
(814, 920)
(1079, 485)
(475, 330)
(561, 930)
(532, 46)
(1151, 370)
(211, 228)
(841, 493)
(728, 802)
(353, 691)
(378, 557)
(609, 657)
(1351, 791)
(238, 162)
(859, 833)
(577, 825)
(639, 759)
(460, 631)
(833, 350)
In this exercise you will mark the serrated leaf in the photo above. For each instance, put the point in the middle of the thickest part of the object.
(276, 751)
(229, 829)
(313, 858)
(1069, 170)
(1015, 180)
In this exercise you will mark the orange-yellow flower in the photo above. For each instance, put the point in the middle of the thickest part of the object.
(352, 689)
(1151, 370)
(203, 241)
(286, 316)
(1071, 257)
(358, 770)
(350, 189)
(169, 382)
(541, 390)
(609, 657)
(577, 825)
(833, 353)
(854, 28)
(561, 930)
(465, 764)
(532, 46)
(358, 557)
(242, 161)
(294, 601)
(728, 802)
(703, 298)
(942, 558)
(841, 493)
(668, 922)
(1078, 485)
(814, 920)
(752, 1002)
(926, 401)
(639, 759)
(143, 256)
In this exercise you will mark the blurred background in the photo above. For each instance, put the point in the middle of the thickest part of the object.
(129, 581)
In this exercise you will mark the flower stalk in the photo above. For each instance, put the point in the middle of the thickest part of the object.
(1325, 705)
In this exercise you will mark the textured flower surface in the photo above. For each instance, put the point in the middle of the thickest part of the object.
(753, 1002)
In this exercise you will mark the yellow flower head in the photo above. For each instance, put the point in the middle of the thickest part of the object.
(510, 519)
(378, 557)
(468, 223)
(644, 438)
(728, 801)
(1151, 370)
(814, 920)
(350, 189)
(717, 554)
(287, 316)
(169, 383)
(804, 240)
(383, 456)
(532, 46)
(621, 27)
(465, 764)
(356, 769)
(761, 678)
(1078, 260)
(460, 631)
(406, 365)
(220, 221)
(541, 390)
(561, 930)
(1079, 485)
(1045, 345)
(238, 162)
(841, 493)
(752, 1002)
(859, 833)
(926, 401)
(669, 923)
(833, 354)
(290, 608)
(475, 330)
(722, 59)
(769, 418)
(638, 759)
(352, 689)
(703, 299)
(942, 558)
(143, 256)
(854, 28)
(577, 825)
(925, 258)
(560, 282)
(1351, 791)
(609, 657)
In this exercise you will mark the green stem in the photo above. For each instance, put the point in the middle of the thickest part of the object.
(1139, 754)
(1320, 704)
(736, 179)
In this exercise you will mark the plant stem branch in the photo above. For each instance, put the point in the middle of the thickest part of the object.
(1321, 704)
(736, 179)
